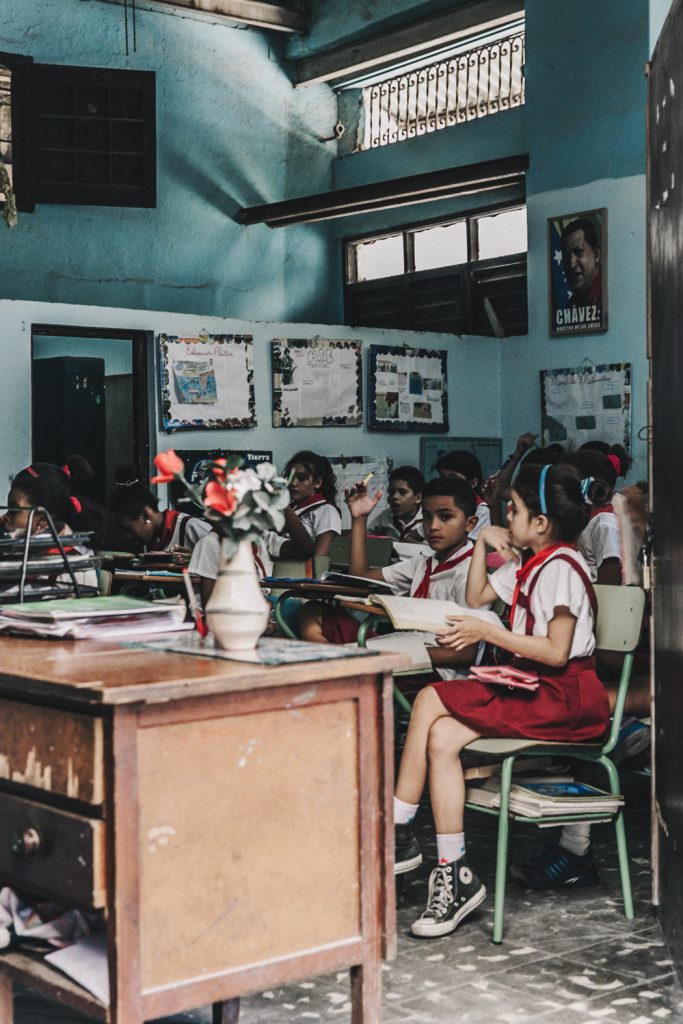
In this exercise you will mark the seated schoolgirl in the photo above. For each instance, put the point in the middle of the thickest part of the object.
(403, 519)
(135, 510)
(600, 542)
(205, 558)
(448, 505)
(312, 519)
(468, 466)
(47, 486)
(553, 618)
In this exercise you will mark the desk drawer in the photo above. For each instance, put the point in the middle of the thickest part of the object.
(53, 853)
(57, 751)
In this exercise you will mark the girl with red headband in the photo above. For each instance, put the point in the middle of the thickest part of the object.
(46, 486)
(546, 582)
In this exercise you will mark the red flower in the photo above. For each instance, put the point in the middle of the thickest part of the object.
(218, 468)
(218, 499)
(170, 466)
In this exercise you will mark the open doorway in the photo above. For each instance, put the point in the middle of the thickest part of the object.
(90, 398)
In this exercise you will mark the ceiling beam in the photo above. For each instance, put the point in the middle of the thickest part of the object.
(238, 12)
(386, 48)
(385, 195)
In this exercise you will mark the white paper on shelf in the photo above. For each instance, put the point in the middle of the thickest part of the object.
(86, 962)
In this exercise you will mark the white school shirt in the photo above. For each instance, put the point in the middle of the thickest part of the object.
(206, 553)
(384, 525)
(193, 531)
(319, 519)
(600, 540)
(559, 586)
(483, 514)
(450, 585)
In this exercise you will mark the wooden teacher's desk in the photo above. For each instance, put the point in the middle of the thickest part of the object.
(232, 821)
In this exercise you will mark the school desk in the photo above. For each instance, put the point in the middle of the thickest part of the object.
(233, 821)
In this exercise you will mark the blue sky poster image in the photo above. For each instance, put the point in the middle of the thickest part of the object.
(577, 257)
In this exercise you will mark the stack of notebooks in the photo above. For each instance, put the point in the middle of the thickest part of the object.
(96, 618)
(536, 796)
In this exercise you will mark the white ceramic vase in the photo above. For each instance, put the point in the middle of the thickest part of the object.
(237, 612)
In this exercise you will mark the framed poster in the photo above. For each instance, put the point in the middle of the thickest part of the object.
(407, 389)
(198, 467)
(577, 258)
(487, 449)
(348, 470)
(317, 383)
(207, 382)
(590, 403)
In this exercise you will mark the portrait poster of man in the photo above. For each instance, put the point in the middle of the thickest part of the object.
(578, 273)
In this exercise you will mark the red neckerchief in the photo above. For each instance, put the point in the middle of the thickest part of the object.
(480, 500)
(402, 528)
(533, 563)
(259, 564)
(603, 508)
(423, 588)
(312, 501)
(168, 525)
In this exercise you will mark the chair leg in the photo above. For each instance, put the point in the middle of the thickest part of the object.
(622, 849)
(502, 850)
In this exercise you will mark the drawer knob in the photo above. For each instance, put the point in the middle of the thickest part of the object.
(26, 844)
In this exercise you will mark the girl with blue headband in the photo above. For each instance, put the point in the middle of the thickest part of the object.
(546, 582)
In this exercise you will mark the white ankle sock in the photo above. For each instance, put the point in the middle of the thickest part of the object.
(576, 838)
(450, 847)
(404, 813)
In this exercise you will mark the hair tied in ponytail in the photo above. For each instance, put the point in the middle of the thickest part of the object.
(585, 487)
(76, 504)
(616, 462)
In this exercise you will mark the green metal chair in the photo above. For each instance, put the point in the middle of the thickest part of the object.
(618, 626)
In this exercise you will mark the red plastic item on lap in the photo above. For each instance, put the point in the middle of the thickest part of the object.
(503, 675)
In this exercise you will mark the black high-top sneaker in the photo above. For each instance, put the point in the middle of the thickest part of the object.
(454, 891)
(407, 854)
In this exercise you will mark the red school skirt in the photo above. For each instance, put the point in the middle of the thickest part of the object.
(570, 705)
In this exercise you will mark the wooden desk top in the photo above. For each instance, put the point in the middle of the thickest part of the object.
(107, 673)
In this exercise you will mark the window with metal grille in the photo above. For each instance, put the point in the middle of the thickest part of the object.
(468, 85)
(78, 135)
(465, 276)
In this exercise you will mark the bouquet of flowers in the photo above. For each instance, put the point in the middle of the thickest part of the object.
(241, 504)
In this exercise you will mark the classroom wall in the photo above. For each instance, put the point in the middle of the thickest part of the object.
(473, 370)
(231, 131)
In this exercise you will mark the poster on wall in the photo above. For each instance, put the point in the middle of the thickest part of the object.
(207, 382)
(407, 389)
(577, 256)
(590, 403)
(198, 464)
(348, 470)
(317, 383)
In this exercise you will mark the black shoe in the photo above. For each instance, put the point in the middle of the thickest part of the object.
(554, 868)
(407, 854)
(454, 891)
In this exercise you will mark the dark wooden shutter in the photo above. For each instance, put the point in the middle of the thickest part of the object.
(503, 282)
(92, 135)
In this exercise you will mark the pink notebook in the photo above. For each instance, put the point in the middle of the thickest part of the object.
(503, 675)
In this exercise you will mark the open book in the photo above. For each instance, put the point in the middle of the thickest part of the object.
(424, 614)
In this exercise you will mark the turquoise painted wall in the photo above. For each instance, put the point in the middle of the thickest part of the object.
(231, 130)
(468, 414)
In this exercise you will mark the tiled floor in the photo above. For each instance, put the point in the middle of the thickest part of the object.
(568, 957)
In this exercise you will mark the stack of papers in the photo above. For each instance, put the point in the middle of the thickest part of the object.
(541, 796)
(99, 618)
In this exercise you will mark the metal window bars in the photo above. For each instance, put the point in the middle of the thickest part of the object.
(465, 87)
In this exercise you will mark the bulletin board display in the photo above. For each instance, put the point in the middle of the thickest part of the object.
(407, 389)
(198, 463)
(317, 382)
(487, 449)
(207, 382)
(587, 403)
(348, 471)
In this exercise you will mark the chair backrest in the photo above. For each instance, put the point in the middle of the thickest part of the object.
(620, 617)
(105, 579)
(379, 552)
